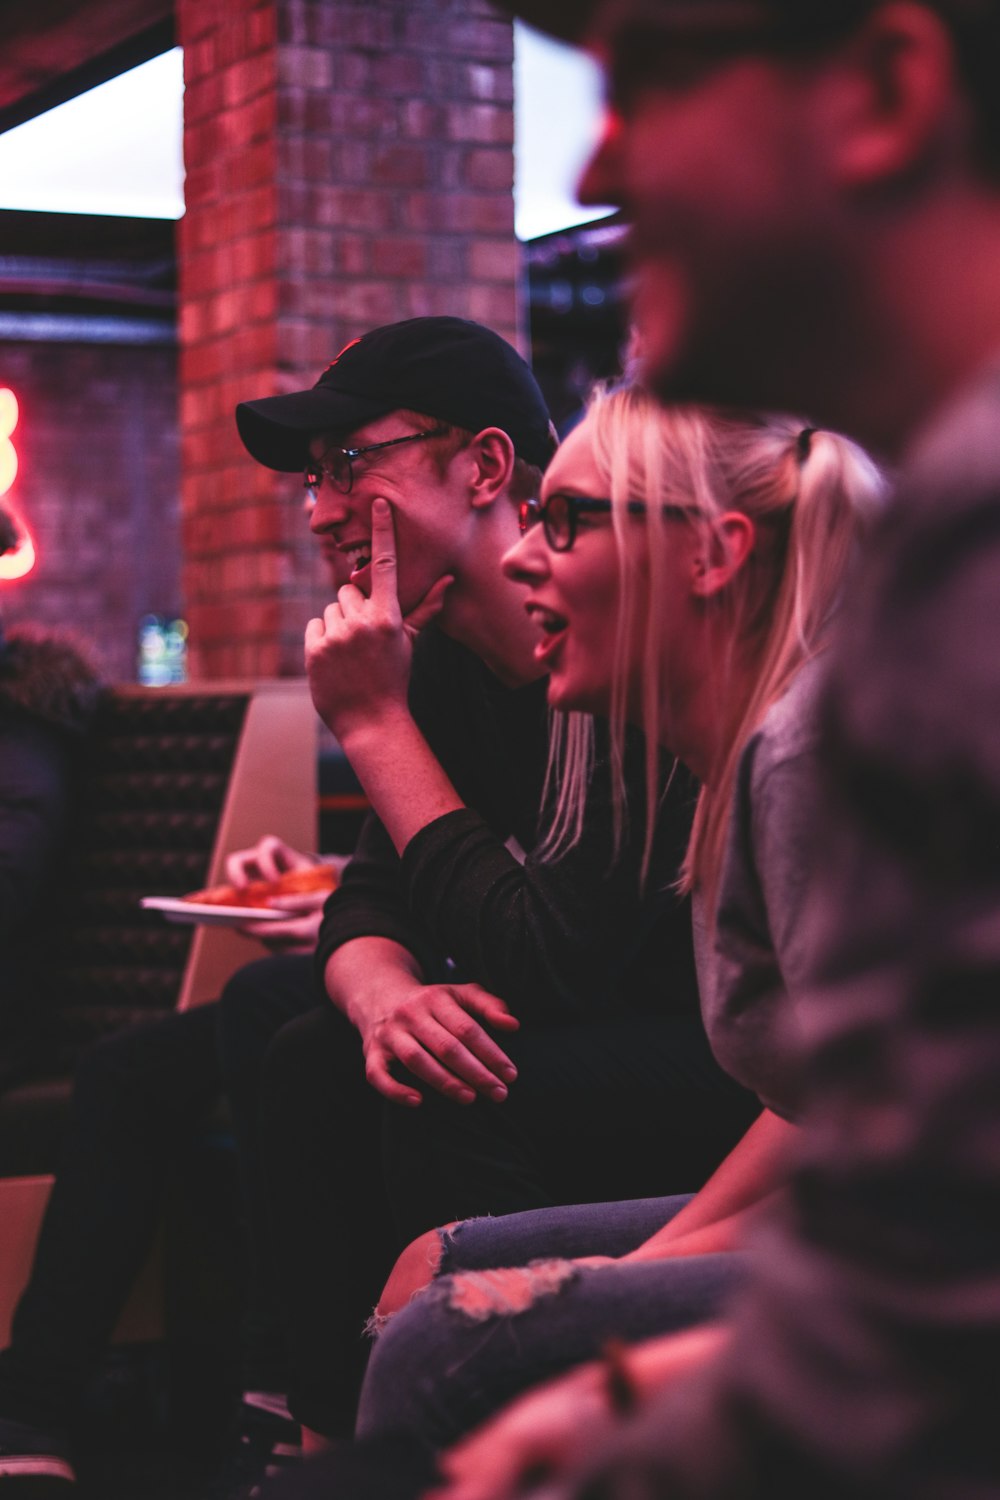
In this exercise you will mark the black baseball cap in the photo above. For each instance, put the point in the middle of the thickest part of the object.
(448, 368)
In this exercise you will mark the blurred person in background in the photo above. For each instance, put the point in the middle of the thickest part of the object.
(140, 1096)
(49, 693)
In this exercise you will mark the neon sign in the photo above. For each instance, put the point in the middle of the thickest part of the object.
(21, 561)
(8, 453)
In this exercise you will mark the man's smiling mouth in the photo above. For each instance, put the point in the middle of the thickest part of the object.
(359, 554)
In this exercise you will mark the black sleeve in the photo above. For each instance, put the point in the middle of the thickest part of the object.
(371, 901)
(34, 797)
(563, 937)
(477, 738)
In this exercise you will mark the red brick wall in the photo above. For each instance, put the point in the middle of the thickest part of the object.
(349, 163)
(98, 486)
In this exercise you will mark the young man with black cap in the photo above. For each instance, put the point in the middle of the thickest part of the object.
(439, 935)
(814, 192)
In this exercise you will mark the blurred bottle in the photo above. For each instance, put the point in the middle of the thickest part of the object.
(162, 651)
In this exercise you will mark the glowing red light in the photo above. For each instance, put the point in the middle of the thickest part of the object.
(8, 453)
(21, 561)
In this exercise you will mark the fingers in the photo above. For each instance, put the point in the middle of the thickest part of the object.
(492, 1009)
(419, 1061)
(383, 567)
(269, 858)
(469, 1050)
(302, 902)
(443, 1045)
(430, 605)
(378, 1075)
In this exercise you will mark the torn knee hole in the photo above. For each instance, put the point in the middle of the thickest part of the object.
(415, 1269)
(506, 1291)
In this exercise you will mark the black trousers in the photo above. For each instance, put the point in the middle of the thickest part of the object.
(628, 1107)
(140, 1099)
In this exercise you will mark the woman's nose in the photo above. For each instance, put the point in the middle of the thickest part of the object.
(528, 559)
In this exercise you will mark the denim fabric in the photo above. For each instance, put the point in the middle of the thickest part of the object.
(436, 1372)
(623, 1107)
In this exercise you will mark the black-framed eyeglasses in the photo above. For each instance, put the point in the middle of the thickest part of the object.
(559, 515)
(335, 464)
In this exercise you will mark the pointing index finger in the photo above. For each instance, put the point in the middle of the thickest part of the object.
(384, 589)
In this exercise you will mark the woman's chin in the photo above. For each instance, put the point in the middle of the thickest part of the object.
(570, 697)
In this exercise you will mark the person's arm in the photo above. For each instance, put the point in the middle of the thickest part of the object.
(555, 1424)
(380, 967)
(358, 659)
(717, 1216)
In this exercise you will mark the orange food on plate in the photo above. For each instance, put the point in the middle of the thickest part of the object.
(263, 892)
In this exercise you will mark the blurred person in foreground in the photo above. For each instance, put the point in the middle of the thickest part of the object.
(815, 199)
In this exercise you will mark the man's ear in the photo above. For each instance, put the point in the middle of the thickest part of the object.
(726, 549)
(492, 454)
(896, 97)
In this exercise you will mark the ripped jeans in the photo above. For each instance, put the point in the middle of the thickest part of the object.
(460, 1350)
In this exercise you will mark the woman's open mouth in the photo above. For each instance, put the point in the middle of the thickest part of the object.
(553, 628)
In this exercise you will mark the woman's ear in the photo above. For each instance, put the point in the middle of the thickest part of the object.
(492, 454)
(725, 551)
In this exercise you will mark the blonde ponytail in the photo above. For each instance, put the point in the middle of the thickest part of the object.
(811, 495)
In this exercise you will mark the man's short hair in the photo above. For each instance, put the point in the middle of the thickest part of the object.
(525, 480)
(806, 24)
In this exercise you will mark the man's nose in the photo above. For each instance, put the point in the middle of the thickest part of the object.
(328, 508)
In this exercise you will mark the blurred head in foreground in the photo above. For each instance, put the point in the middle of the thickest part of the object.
(813, 195)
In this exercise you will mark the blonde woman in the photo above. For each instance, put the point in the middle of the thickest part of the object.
(683, 578)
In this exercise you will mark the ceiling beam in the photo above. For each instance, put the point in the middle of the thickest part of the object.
(53, 50)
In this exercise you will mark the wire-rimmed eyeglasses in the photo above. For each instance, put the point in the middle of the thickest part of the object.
(335, 465)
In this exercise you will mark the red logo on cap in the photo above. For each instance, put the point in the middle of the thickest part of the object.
(340, 356)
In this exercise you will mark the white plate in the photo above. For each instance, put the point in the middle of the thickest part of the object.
(176, 910)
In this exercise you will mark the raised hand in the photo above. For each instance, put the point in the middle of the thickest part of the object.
(358, 655)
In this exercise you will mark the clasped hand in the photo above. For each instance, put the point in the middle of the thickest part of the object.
(358, 655)
(437, 1033)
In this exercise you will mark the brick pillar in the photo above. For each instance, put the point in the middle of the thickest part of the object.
(349, 162)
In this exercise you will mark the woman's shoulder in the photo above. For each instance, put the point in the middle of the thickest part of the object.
(792, 726)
